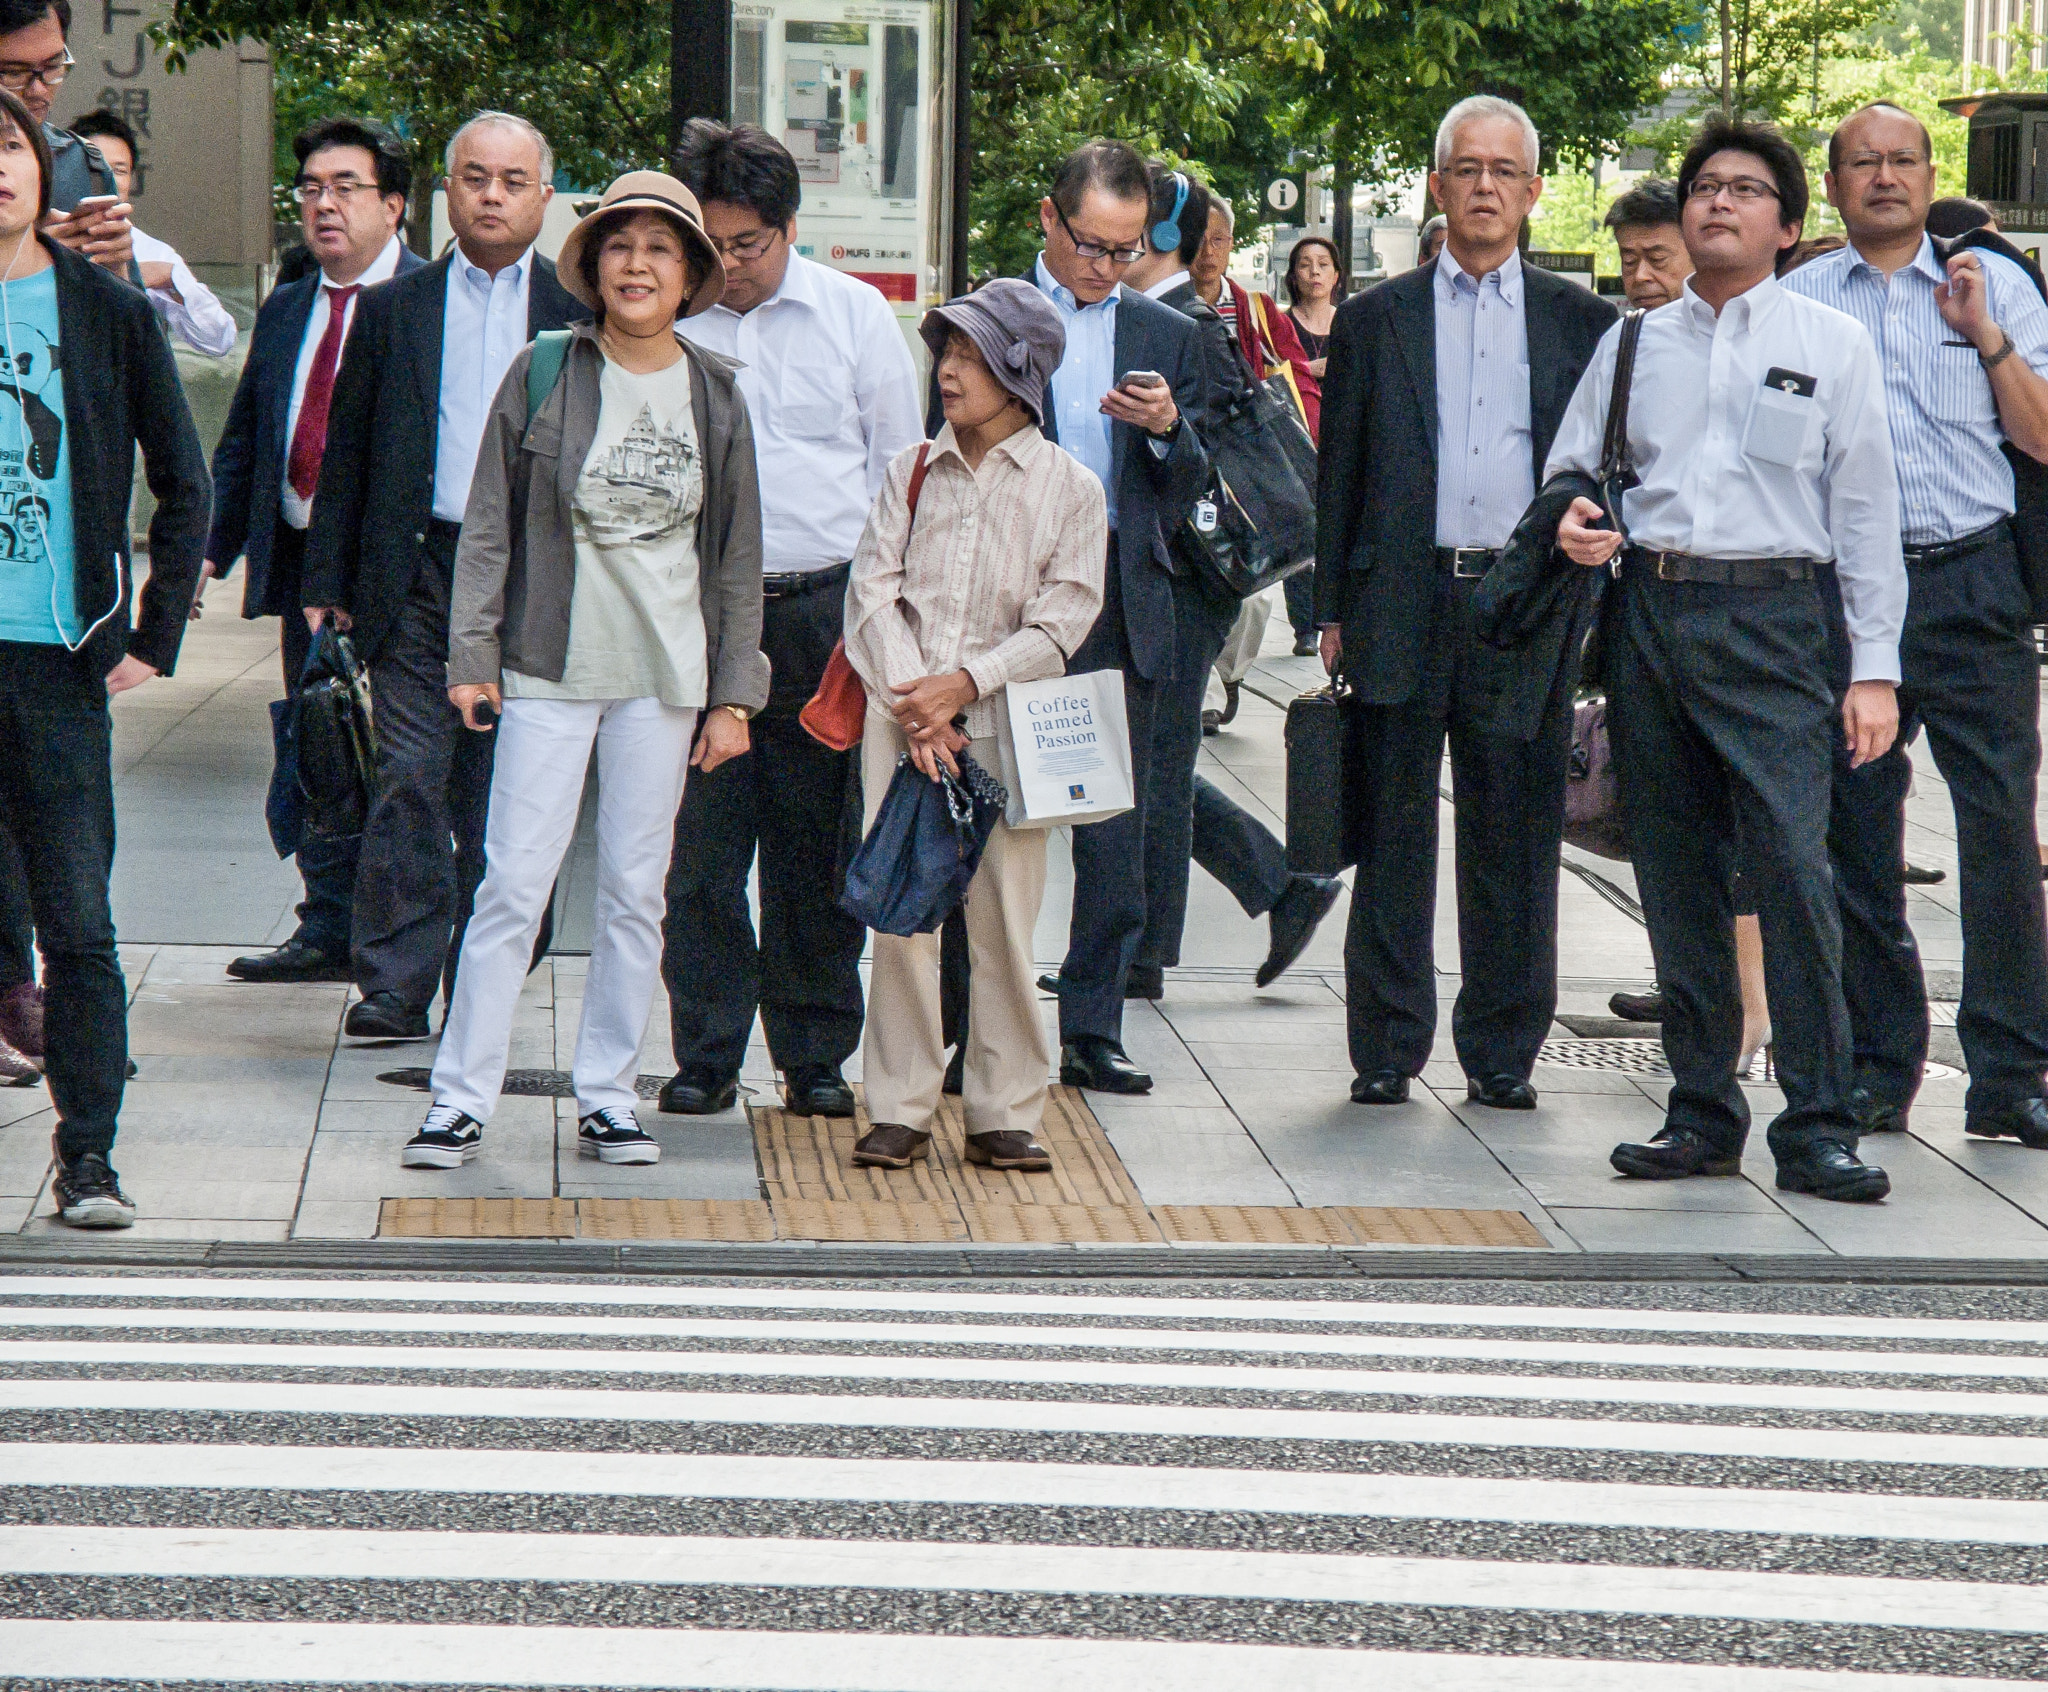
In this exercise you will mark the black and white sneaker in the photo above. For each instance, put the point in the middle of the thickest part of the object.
(448, 1139)
(88, 1194)
(615, 1136)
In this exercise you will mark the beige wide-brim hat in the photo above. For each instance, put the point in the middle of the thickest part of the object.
(647, 190)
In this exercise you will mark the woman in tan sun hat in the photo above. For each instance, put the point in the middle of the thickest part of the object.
(607, 591)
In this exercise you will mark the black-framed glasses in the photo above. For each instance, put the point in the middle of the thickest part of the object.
(745, 248)
(1748, 188)
(1095, 249)
(50, 73)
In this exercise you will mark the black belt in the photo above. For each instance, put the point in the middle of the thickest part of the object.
(1468, 563)
(1723, 572)
(1943, 552)
(789, 584)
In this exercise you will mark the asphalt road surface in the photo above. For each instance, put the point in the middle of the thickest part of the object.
(892, 1488)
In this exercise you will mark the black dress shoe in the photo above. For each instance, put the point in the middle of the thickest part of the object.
(293, 961)
(1307, 646)
(1919, 875)
(1830, 1170)
(955, 1082)
(1144, 981)
(1500, 1092)
(1212, 722)
(1673, 1155)
(1229, 711)
(1873, 1115)
(385, 1016)
(1638, 1007)
(1292, 922)
(817, 1089)
(1101, 1066)
(1049, 984)
(1382, 1086)
(2024, 1120)
(698, 1092)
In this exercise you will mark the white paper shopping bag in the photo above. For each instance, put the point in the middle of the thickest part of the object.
(1067, 755)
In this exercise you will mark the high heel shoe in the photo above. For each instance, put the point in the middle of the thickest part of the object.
(1762, 1043)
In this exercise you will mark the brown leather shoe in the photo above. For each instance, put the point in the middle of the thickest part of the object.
(1007, 1149)
(890, 1145)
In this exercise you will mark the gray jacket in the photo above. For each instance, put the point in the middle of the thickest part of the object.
(515, 571)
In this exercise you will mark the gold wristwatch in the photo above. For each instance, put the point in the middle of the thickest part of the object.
(739, 711)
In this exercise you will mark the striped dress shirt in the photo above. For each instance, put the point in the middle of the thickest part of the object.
(1953, 480)
(1486, 472)
(1000, 576)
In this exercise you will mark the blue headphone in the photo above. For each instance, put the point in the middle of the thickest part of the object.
(1166, 232)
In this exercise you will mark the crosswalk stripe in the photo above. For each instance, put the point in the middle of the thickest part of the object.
(2001, 1451)
(1641, 1355)
(1185, 1377)
(1105, 1486)
(1072, 1306)
(752, 1661)
(911, 1565)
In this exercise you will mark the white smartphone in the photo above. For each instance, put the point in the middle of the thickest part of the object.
(1140, 379)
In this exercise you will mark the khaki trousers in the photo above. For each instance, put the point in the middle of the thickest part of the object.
(1241, 651)
(903, 1056)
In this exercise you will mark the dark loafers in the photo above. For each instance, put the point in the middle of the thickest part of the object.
(698, 1092)
(1007, 1149)
(2024, 1120)
(1672, 1156)
(1102, 1066)
(1830, 1170)
(1292, 923)
(293, 961)
(1500, 1092)
(890, 1145)
(1381, 1087)
(385, 1016)
(817, 1089)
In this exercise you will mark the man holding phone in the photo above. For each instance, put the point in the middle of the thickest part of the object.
(87, 213)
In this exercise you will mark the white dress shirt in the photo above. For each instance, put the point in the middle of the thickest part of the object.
(194, 314)
(1087, 371)
(1731, 467)
(296, 511)
(483, 326)
(832, 394)
(1486, 474)
(1166, 285)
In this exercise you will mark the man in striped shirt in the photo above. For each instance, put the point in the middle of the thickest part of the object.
(1964, 344)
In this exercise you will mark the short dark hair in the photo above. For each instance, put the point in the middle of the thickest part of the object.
(19, 14)
(1109, 165)
(1328, 246)
(1194, 215)
(100, 121)
(394, 163)
(1762, 141)
(1650, 204)
(1958, 215)
(1835, 140)
(741, 165)
(15, 115)
(601, 231)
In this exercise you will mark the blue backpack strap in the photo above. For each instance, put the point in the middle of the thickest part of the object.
(544, 370)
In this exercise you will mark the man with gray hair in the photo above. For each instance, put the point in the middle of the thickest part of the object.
(1443, 390)
(417, 379)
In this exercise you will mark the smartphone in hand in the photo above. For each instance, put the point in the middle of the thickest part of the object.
(1132, 380)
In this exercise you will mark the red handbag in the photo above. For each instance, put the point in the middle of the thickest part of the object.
(837, 713)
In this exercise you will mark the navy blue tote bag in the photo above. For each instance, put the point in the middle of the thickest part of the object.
(913, 868)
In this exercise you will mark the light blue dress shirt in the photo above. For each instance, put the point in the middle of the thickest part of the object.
(1485, 469)
(1953, 480)
(483, 327)
(1087, 371)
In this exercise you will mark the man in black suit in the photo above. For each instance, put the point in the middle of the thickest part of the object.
(423, 366)
(1152, 465)
(351, 188)
(1444, 389)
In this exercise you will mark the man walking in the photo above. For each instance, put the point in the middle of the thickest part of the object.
(424, 361)
(351, 188)
(1443, 391)
(1761, 451)
(832, 392)
(1963, 342)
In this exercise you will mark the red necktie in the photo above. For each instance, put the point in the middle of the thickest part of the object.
(309, 439)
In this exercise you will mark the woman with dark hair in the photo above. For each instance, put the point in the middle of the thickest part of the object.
(608, 591)
(1315, 285)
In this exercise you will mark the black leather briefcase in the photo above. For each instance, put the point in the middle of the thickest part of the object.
(1323, 822)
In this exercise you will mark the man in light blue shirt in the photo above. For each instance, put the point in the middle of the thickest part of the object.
(1486, 475)
(1963, 339)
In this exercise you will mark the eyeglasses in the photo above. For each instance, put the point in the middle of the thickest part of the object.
(512, 181)
(1906, 158)
(50, 73)
(745, 248)
(309, 193)
(1466, 172)
(1095, 249)
(1745, 188)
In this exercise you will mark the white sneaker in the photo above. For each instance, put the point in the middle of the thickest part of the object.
(448, 1139)
(615, 1136)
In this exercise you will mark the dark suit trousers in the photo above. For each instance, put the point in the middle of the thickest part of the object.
(17, 923)
(786, 797)
(423, 846)
(1724, 723)
(1108, 920)
(1509, 811)
(327, 867)
(1973, 681)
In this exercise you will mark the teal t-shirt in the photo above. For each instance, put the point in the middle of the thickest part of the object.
(38, 578)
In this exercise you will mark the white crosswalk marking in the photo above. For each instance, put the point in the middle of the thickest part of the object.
(270, 1482)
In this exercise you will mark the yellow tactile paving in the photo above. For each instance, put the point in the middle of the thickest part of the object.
(479, 1218)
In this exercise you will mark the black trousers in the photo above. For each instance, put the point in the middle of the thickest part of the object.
(327, 867)
(422, 853)
(1724, 719)
(57, 807)
(1300, 592)
(1108, 920)
(786, 799)
(17, 923)
(1508, 801)
(1973, 681)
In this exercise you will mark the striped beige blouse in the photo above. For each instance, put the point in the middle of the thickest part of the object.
(1002, 576)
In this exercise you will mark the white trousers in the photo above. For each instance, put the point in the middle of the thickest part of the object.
(643, 750)
(1241, 651)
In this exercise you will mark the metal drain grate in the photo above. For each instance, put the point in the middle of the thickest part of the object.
(524, 1083)
(1646, 1057)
